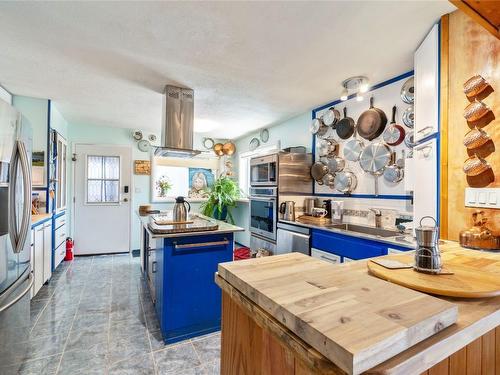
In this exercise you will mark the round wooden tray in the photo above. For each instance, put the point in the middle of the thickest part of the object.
(476, 274)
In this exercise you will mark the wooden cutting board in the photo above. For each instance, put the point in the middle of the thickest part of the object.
(314, 220)
(476, 274)
(355, 320)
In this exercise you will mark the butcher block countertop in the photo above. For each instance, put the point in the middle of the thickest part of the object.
(359, 322)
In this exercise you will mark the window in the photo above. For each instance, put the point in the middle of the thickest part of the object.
(103, 179)
(192, 178)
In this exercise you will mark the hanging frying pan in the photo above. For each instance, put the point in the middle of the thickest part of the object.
(374, 159)
(345, 127)
(394, 134)
(372, 122)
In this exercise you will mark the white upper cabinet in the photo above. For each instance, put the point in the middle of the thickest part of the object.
(427, 85)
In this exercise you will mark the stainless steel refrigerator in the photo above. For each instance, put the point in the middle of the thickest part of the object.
(15, 226)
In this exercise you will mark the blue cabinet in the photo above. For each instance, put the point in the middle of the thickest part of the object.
(188, 302)
(350, 247)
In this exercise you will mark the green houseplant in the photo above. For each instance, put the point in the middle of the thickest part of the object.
(221, 199)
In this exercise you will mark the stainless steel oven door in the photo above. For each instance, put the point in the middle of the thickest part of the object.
(263, 216)
(263, 170)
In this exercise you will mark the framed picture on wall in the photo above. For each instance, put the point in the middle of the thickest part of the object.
(200, 181)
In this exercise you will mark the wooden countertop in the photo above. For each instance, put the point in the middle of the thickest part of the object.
(475, 317)
(35, 219)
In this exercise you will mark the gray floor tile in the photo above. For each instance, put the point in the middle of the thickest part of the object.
(93, 339)
(141, 365)
(127, 327)
(52, 327)
(86, 321)
(128, 347)
(213, 368)
(175, 359)
(32, 349)
(42, 366)
(82, 362)
(208, 348)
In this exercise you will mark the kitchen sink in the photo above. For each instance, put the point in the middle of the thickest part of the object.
(366, 230)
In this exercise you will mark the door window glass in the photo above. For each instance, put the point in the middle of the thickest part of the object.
(103, 179)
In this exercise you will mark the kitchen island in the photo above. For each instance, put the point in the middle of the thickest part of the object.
(179, 261)
(281, 313)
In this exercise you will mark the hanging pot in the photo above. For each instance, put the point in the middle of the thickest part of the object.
(475, 138)
(331, 117)
(345, 182)
(475, 111)
(345, 127)
(335, 164)
(372, 122)
(475, 86)
(352, 148)
(394, 134)
(228, 148)
(327, 147)
(318, 171)
(374, 159)
(318, 127)
(475, 165)
(218, 149)
(329, 179)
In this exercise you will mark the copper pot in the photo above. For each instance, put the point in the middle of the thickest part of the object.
(218, 149)
(228, 148)
(479, 236)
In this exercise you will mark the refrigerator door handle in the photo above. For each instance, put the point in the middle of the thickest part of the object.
(28, 288)
(13, 232)
(26, 220)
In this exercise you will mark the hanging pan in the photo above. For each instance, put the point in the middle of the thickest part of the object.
(331, 117)
(318, 171)
(374, 159)
(394, 134)
(352, 148)
(345, 127)
(318, 128)
(372, 122)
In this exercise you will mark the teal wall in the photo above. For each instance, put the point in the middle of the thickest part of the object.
(293, 132)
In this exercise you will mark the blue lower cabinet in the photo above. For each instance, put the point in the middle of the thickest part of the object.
(349, 246)
(188, 301)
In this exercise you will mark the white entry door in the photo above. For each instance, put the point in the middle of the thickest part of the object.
(102, 199)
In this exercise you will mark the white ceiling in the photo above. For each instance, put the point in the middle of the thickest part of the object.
(251, 64)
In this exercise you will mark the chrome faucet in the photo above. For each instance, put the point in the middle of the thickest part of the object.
(378, 217)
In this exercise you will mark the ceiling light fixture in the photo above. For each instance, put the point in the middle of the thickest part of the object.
(344, 95)
(356, 85)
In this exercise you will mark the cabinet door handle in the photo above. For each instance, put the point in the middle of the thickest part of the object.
(425, 129)
(153, 267)
(200, 244)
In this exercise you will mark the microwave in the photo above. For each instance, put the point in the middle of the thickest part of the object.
(264, 170)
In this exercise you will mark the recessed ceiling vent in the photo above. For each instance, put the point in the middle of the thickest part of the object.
(177, 123)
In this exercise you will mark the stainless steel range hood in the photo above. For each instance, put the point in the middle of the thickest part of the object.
(177, 123)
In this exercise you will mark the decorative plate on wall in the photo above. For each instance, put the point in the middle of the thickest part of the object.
(254, 143)
(144, 145)
(264, 135)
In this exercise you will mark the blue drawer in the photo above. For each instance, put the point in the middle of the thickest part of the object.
(347, 246)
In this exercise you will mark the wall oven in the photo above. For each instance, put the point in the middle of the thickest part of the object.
(263, 211)
(264, 170)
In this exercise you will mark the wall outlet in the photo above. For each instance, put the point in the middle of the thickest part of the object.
(482, 197)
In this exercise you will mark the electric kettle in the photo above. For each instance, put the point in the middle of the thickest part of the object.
(180, 212)
(287, 210)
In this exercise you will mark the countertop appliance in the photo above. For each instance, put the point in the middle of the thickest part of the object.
(180, 211)
(287, 210)
(427, 255)
(16, 278)
(292, 238)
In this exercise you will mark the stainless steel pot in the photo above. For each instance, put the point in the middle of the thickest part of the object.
(353, 148)
(329, 180)
(318, 127)
(427, 235)
(335, 164)
(345, 182)
(318, 171)
(331, 117)
(327, 147)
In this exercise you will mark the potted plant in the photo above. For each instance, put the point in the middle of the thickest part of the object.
(163, 185)
(221, 199)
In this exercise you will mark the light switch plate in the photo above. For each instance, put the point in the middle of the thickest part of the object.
(482, 197)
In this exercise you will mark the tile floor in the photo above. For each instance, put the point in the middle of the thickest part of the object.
(96, 317)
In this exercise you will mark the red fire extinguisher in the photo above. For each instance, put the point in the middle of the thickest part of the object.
(69, 248)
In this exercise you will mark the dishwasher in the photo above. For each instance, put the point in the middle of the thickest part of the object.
(292, 238)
